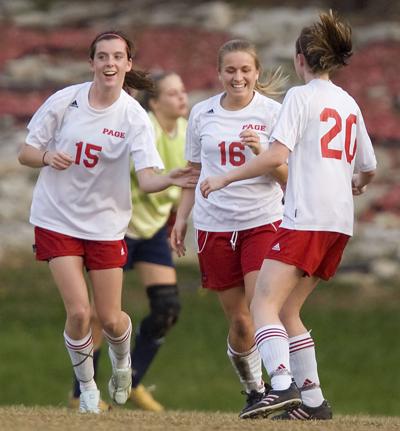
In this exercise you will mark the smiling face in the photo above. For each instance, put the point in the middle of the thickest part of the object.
(238, 74)
(172, 98)
(110, 63)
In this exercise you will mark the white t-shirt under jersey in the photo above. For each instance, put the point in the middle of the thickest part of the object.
(322, 126)
(91, 199)
(213, 140)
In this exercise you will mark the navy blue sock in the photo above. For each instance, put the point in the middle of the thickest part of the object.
(142, 356)
(75, 389)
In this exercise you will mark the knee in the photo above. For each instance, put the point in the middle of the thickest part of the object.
(289, 316)
(165, 308)
(241, 326)
(110, 323)
(79, 318)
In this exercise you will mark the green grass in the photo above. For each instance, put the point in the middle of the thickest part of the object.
(356, 341)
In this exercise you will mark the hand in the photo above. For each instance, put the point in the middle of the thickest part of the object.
(357, 189)
(177, 238)
(211, 184)
(251, 140)
(184, 177)
(58, 160)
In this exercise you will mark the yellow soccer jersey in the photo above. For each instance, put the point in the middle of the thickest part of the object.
(151, 210)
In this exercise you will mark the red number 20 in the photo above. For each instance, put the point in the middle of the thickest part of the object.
(331, 153)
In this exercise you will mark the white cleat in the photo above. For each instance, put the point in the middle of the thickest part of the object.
(120, 385)
(89, 402)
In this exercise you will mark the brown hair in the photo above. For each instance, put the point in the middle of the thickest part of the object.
(274, 82)
(145, 96)
(326, 45)
(136, 79)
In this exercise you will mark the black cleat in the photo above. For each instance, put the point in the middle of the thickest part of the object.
(272, 402)
(305, 413)
(253, 398)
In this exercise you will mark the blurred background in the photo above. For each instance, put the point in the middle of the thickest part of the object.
(356, 317)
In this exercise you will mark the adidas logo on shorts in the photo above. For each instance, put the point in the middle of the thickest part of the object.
(276, 247)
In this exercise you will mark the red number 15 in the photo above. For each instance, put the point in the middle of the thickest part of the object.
(91, 153)
(332, 153)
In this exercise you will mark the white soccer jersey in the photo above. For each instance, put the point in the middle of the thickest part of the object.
(92, 198)
(213, 140)
(323, 128)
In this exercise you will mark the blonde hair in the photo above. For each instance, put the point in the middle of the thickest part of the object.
(326, 45)
(275, 81)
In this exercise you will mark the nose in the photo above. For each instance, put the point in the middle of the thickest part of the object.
(237, 76)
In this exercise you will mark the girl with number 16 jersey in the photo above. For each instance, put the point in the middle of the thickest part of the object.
(322, 132)
(234, 226)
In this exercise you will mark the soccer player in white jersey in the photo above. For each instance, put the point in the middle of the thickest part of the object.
(322, 131)
(236, 225)
(84, 137)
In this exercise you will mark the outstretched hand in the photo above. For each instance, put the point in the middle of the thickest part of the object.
(211, 184)
(184, 177)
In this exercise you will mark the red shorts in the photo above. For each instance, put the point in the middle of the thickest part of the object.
(225, 260)
(314, 252)
(96, 254)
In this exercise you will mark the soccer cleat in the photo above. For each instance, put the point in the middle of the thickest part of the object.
(142, 398)
(89, 402)
(274, 401)
(120, 384)
(253, 397)
(306, 413)
(73, 403)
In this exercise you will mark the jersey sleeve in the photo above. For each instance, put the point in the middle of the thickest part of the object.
(365, 160)
(290, 122)
(44, 123)
(193, 144)
(143, 147)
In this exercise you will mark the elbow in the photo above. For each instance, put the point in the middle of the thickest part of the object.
(21, 159)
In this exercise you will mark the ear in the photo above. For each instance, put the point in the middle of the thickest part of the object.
(91, 64)
(152, 104)
(130, 65)
(301, 59)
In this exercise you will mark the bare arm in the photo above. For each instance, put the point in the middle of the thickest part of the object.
(35, 158)
(360, 181)
(150, 181)
(281, 174)
(186, 203)
(266, 161)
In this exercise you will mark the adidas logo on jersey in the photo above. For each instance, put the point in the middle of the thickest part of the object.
(276, 247)
(211, 111)
(74, 104)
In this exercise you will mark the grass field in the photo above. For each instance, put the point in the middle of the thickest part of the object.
(61, 419)
(355, 329)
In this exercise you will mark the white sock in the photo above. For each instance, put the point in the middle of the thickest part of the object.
(304, 368)
(248, 367)
(120, 348)
(272, 343)
(81, 354)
